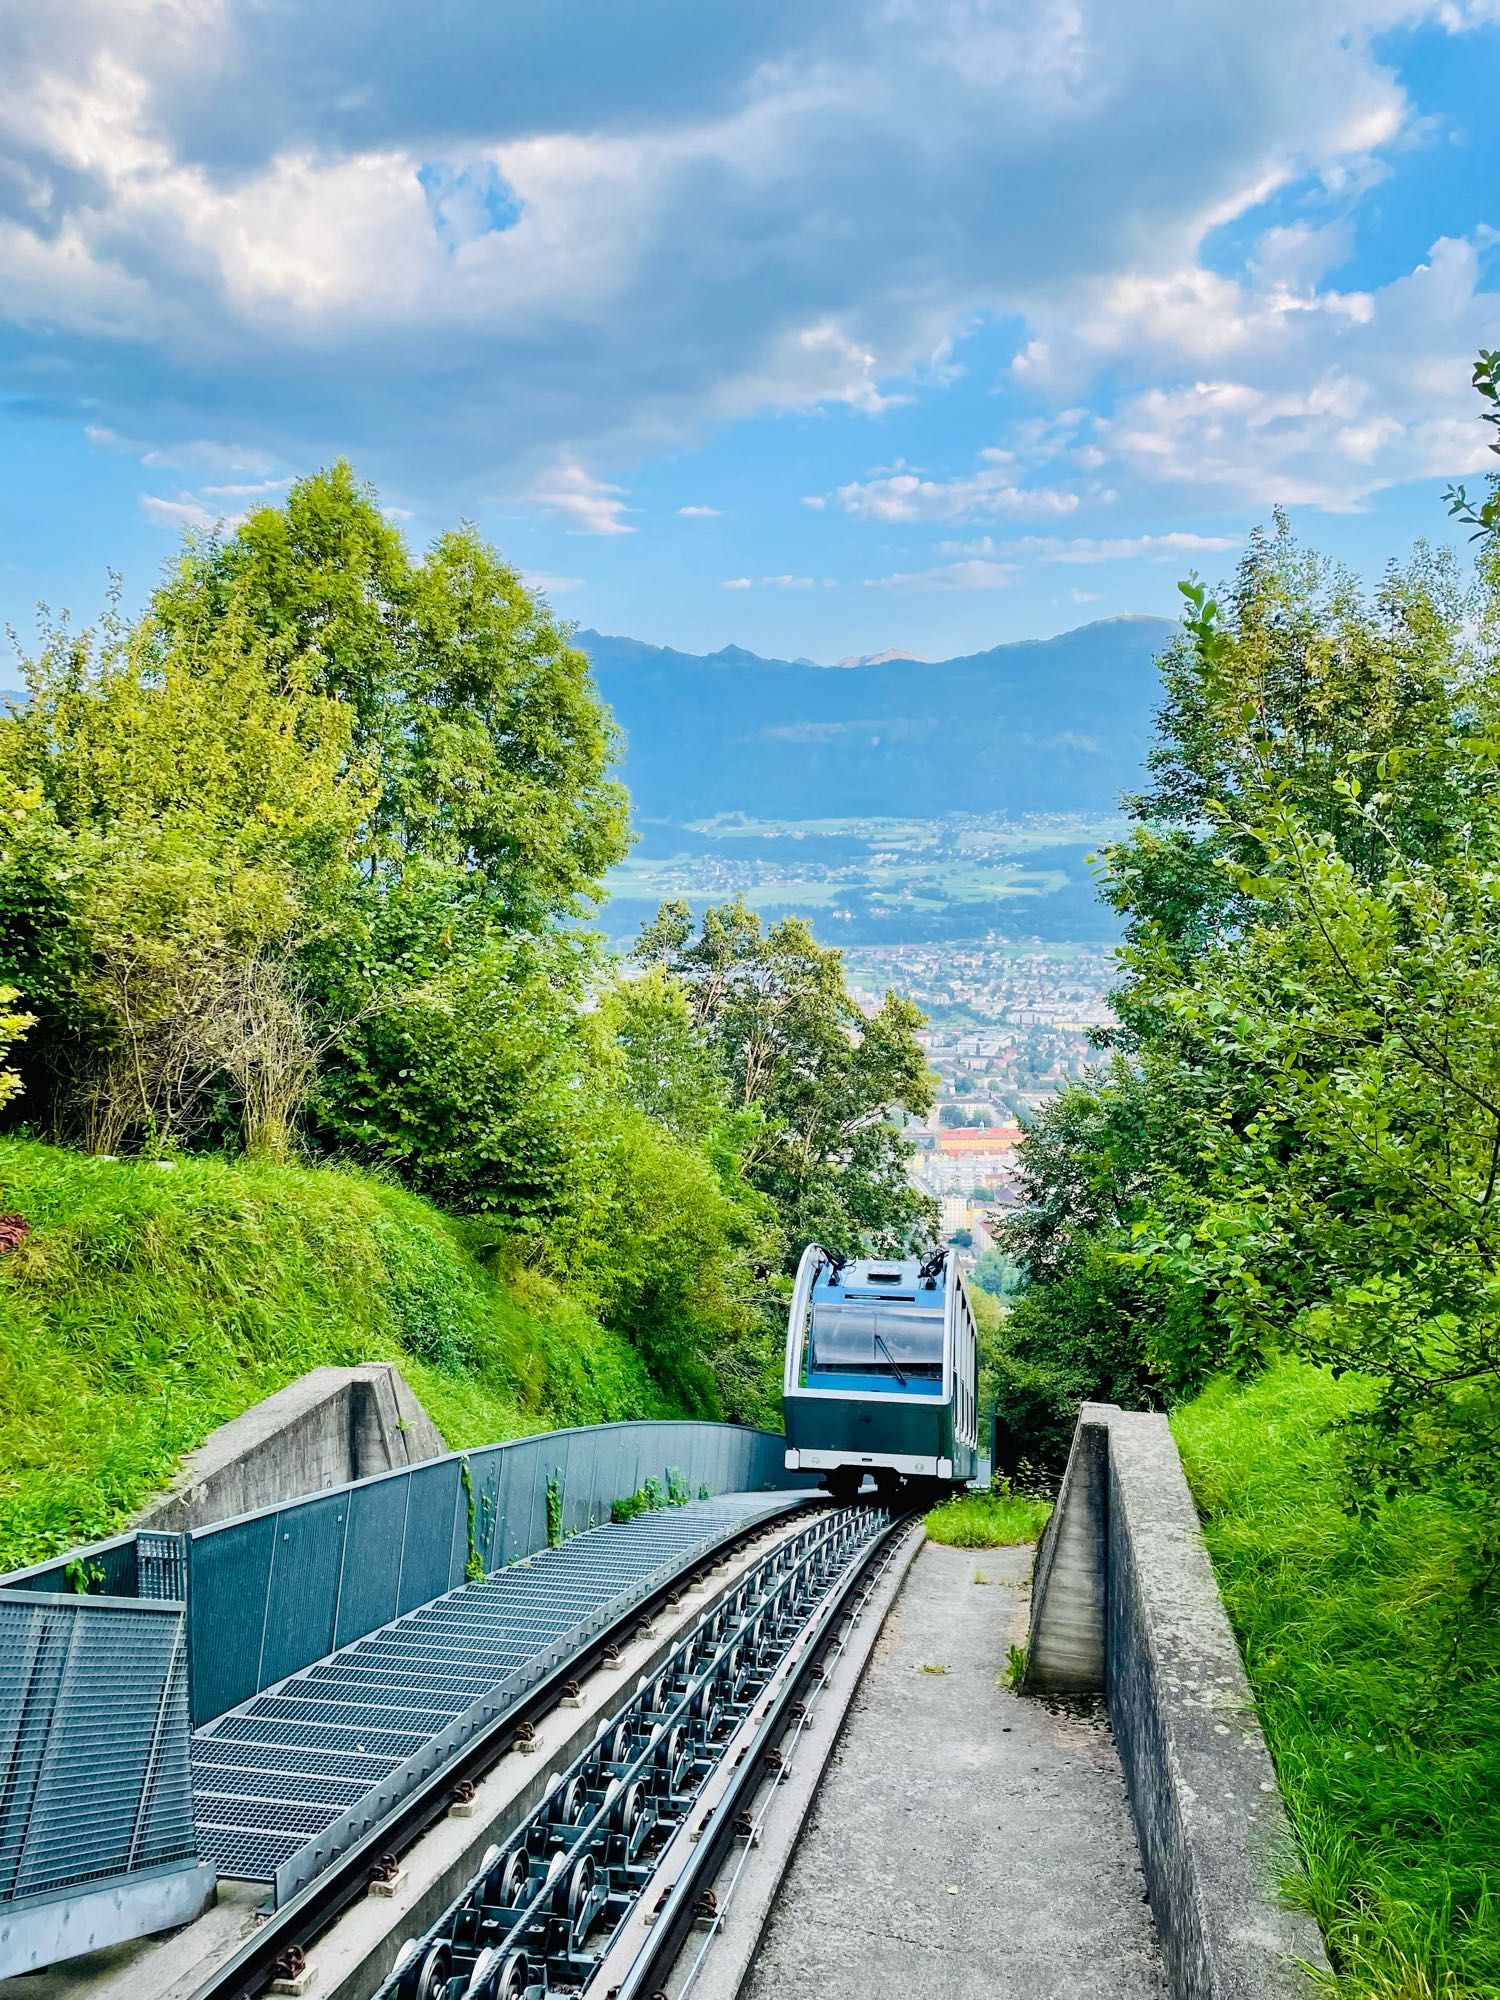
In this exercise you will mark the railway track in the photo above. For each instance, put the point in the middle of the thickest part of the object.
(611, 1879)
(276, 1953)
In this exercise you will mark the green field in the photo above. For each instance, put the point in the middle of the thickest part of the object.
(939, 878)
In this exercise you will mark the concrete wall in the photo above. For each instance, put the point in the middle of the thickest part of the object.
(329, 1427)
(1125, 1603)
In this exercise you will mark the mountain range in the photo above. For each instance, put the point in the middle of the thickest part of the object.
(1045, 725)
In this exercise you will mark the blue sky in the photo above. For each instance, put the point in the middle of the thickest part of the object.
(818, 328)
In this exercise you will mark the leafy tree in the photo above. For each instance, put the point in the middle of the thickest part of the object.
(667, 1251)
(1162, 1238)
(466, 1064)
(1484, 517)
(180, 810)
(1354, 1216)
(826, 1080)
(996, 1273)
(12, 1027)
(492, 746)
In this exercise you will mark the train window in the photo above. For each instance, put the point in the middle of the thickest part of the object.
(851, 1335)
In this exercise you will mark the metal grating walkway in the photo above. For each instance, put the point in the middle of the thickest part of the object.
(288, 1780)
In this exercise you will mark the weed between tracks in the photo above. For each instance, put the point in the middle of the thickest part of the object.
(987, 1520)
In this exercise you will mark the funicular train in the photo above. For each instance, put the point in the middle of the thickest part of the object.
(881, 1374)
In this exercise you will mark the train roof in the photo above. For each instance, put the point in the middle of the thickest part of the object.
(896, 1278)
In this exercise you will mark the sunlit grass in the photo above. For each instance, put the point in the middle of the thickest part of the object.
(987, 1520)
(155, 1300)
(1378, 1684)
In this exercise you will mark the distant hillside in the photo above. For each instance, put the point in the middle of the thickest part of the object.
(1048, 725)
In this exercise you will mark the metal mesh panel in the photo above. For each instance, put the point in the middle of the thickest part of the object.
(160, 1566)
(385, 1708)
(93, 1741)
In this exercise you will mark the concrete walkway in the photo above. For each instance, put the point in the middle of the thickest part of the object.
(966, 1844)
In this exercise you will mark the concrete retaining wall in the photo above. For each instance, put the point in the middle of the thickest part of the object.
(1125, 1603)
(329, 1427)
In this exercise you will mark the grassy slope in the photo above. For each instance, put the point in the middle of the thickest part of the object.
(153, 1302)
(1386, 1739)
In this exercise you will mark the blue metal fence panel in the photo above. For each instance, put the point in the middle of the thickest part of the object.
(106, 1569)
(371, 1571)
(435, 1491)
(226, 1615)
(262, 1590)
(302, 1596)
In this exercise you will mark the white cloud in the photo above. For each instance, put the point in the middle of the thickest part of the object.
(906, 496)
(1262, 389)
(972, 575)
(184, 512)
(591, 506)
(1094, 549)
(699, 513)
(208, 455)
(256, 488)
(750, 209)
(549, 585)
(773, 582)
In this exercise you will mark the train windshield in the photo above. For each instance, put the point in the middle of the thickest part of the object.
(902, 1343)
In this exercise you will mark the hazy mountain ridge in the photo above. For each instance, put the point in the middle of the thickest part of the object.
(1040, 725)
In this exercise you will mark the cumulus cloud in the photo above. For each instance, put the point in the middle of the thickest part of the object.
(506, 245)
(699, 513)
(183, 512)
(774, 582)
(906, 496)
(1277, 388)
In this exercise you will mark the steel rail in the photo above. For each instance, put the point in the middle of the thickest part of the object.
(804, 1710)
(583, 1861)
(282, 1941)
(688, 1901)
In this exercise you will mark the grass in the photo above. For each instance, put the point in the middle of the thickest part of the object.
(987, 1520)
(153, 1301)
(1377, 1681)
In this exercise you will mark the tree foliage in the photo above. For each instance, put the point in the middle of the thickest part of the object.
(826, 1082)
(297, 861)
(1295, 1143)
(492, 747)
